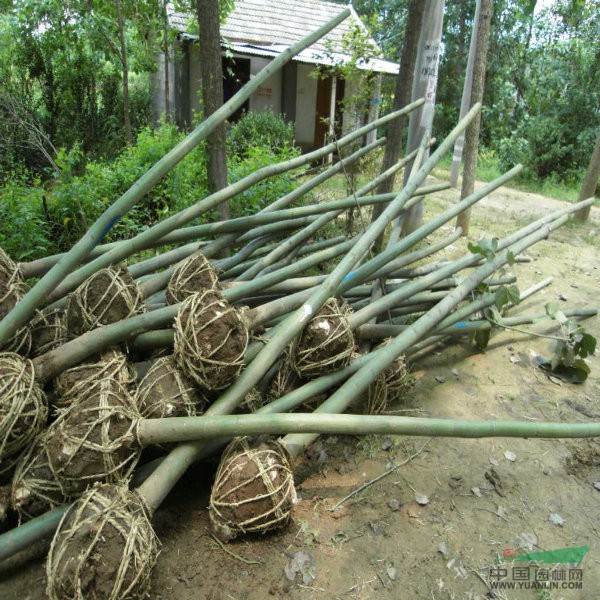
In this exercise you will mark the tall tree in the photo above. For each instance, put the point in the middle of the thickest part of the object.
(211, 73)
(472, 133)
(590, 181)
(395, 130)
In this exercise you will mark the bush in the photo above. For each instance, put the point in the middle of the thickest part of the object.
(261, 129)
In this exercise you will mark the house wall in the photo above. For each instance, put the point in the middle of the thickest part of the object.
(306, 102)
(268, 95)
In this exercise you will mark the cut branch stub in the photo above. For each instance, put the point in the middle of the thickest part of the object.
(23, 407)
(108, 296)
(104, 547)
(253, 490)
(10, 295)
(211, 338)
(327, 342)
(94, 440)
(165, 391)
(80, 381)
(195, 275)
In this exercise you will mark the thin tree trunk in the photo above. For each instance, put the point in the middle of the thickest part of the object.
(472, 133)
(125, 73)
(211, 71)
(166, 59)
(590, 181)
(424, 85)
(395, 130)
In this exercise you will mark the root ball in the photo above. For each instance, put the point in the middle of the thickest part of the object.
(326, 344)
(10, 295)
(9, 270)
(253, 490)
(48, 331)
(165, 391)
(23, 407)
(104, 548)
(211, 338)
(108, 296)
(195, 275)
(78, 381)
(94, 439)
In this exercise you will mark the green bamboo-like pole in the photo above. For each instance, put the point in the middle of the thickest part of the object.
(38, 294)
(158, 485)
(164, 227)
(389, 254)
(360, 381)
(159, 431)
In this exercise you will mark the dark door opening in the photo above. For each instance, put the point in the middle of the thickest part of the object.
(236, 73)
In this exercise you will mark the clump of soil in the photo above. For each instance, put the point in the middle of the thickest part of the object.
(23, 408)
(195, 275)
(48, 331)
(108, 296)
(93, 440)
(165, 391)
(326, 344)
(253, 490)
(105, 547)
(108, 366)
(211, 338)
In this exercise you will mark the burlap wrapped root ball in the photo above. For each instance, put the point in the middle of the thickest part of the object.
(10, 272)
(10, 295)
(48, 331)
(253, 490)
(195, 275)
(107, 296)
(398, 378)
(326, 344)
(165, 391)
(94, 440)
(211, 338)
(83, 379)
(23, 408)
(35, 489)
(104, 548)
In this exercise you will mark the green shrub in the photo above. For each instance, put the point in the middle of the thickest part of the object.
(259, 129)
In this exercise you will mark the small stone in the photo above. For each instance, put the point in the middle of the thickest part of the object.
(392, 573)
(440, 379)
(421, 499)
(511, 456)
(443, 550)
(597, 485)
(476, 492)
(394, 504)
(556, 519)
(386, 444)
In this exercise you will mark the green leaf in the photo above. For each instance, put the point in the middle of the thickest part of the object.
(552, 308)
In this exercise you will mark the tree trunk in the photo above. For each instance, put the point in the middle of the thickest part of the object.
(424, 85)
(125, 73)
(395, 130)
(590, 181)
(472, 133)
(211, 72)
(167, 90)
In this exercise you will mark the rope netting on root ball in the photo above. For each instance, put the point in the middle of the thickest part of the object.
(23, 407)
(108, 296)
(398, 378)
(211, 338)
(253, 490)
(195, 275)
(10, 295)
(327, 342)
(104, 548)
(48, 331)
(81, 380)
(35, 489)
(93, 440)
(9, 270)
(165, 391)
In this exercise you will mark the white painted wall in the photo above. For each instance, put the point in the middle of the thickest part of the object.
(306, 105)
(268, 95)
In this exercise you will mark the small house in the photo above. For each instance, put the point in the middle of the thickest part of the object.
(308, 91)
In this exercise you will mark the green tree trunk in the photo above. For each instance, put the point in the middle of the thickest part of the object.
(590, 182)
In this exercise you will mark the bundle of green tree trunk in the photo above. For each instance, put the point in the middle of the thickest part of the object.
(100, 360)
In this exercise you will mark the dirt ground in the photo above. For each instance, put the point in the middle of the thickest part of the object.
(436, 525)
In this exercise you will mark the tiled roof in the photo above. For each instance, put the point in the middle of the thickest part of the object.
(281, 23)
